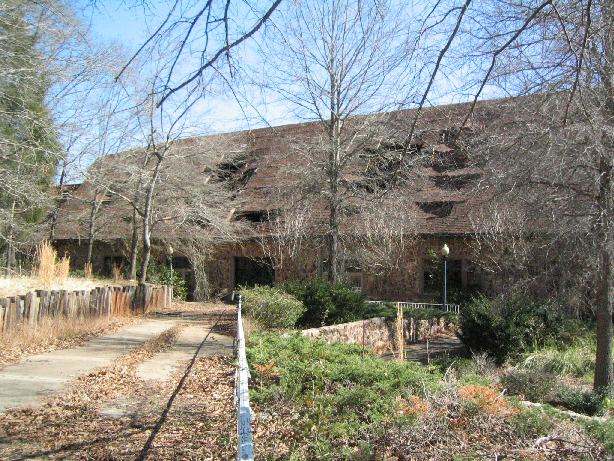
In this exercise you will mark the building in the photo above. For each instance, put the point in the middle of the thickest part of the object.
(439, 196)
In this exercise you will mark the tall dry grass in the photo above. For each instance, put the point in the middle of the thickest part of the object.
(62, 269)
(118, 274)
(88, 270)
(46, 258)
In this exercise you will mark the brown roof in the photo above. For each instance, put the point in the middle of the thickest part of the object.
(266, 165)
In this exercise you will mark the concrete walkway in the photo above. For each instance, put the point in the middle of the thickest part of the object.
(34, 379)
(437, 346)
(162, 365)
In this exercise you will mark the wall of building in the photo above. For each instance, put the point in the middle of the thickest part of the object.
(404, 284)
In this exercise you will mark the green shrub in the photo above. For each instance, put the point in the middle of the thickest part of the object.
(534, 386)
(508, 327)
(429, 313)
(162, 275)
(271, 307)
(373, 310)
(389, 312)
(585, 402)
(326, 303)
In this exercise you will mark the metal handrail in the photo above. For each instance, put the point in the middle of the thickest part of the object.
(455, 308)
(245, 442)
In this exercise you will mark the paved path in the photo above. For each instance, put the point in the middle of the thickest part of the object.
(437, 346)
(191, 341)
(38, 376)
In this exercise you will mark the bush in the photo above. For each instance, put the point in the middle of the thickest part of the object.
(585, 402)
(530, 422)
(536, 387)
(508, 327)
(271, 307)
(602, 431)
(326, 303)
(162, 275)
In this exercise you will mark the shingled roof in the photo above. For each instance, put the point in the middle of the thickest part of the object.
(442, 199)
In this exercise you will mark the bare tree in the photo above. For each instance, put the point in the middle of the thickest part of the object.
(333, 62)
(554, 155)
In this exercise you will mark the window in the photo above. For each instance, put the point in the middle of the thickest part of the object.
(433, 276)
(112, 261)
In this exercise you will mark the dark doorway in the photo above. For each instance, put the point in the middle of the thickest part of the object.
(253, 271)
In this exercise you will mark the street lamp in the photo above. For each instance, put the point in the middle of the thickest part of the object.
(445, 251)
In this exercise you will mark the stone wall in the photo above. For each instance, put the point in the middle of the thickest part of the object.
(379, 333)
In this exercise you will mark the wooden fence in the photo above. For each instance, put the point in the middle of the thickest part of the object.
(101, 301)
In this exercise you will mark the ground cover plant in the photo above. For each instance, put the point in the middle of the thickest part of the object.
(338, 402)
(341, 392)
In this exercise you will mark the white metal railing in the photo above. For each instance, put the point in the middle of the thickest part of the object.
(455, 308)
(245, 442)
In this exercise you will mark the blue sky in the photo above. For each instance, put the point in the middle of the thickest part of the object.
(117, 21)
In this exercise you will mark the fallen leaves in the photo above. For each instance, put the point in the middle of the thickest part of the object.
(110, 414)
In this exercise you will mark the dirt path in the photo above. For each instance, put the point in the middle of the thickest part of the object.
(167, 396)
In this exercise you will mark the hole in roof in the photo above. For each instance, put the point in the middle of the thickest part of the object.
(439, 209)
(454, 182)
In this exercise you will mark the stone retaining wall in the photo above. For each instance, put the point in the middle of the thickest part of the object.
(379, 333)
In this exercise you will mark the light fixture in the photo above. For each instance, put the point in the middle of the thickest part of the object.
(445, 250)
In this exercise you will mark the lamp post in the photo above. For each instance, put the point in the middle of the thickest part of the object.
(170, 264)
(445, 251)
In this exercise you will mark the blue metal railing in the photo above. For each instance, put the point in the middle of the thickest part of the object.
(245, 441)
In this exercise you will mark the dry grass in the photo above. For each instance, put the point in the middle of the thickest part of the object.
(15, 286)
(118, 274)
(88, 270)
(45, 263)
(53, 333)
(62, 269)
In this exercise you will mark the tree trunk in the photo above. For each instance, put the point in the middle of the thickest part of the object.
(146, 251)
(134, 245)
(56, 208)
(91, 235)
(10, 246)
(604, 372)
(333, 173)
(147, 221)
